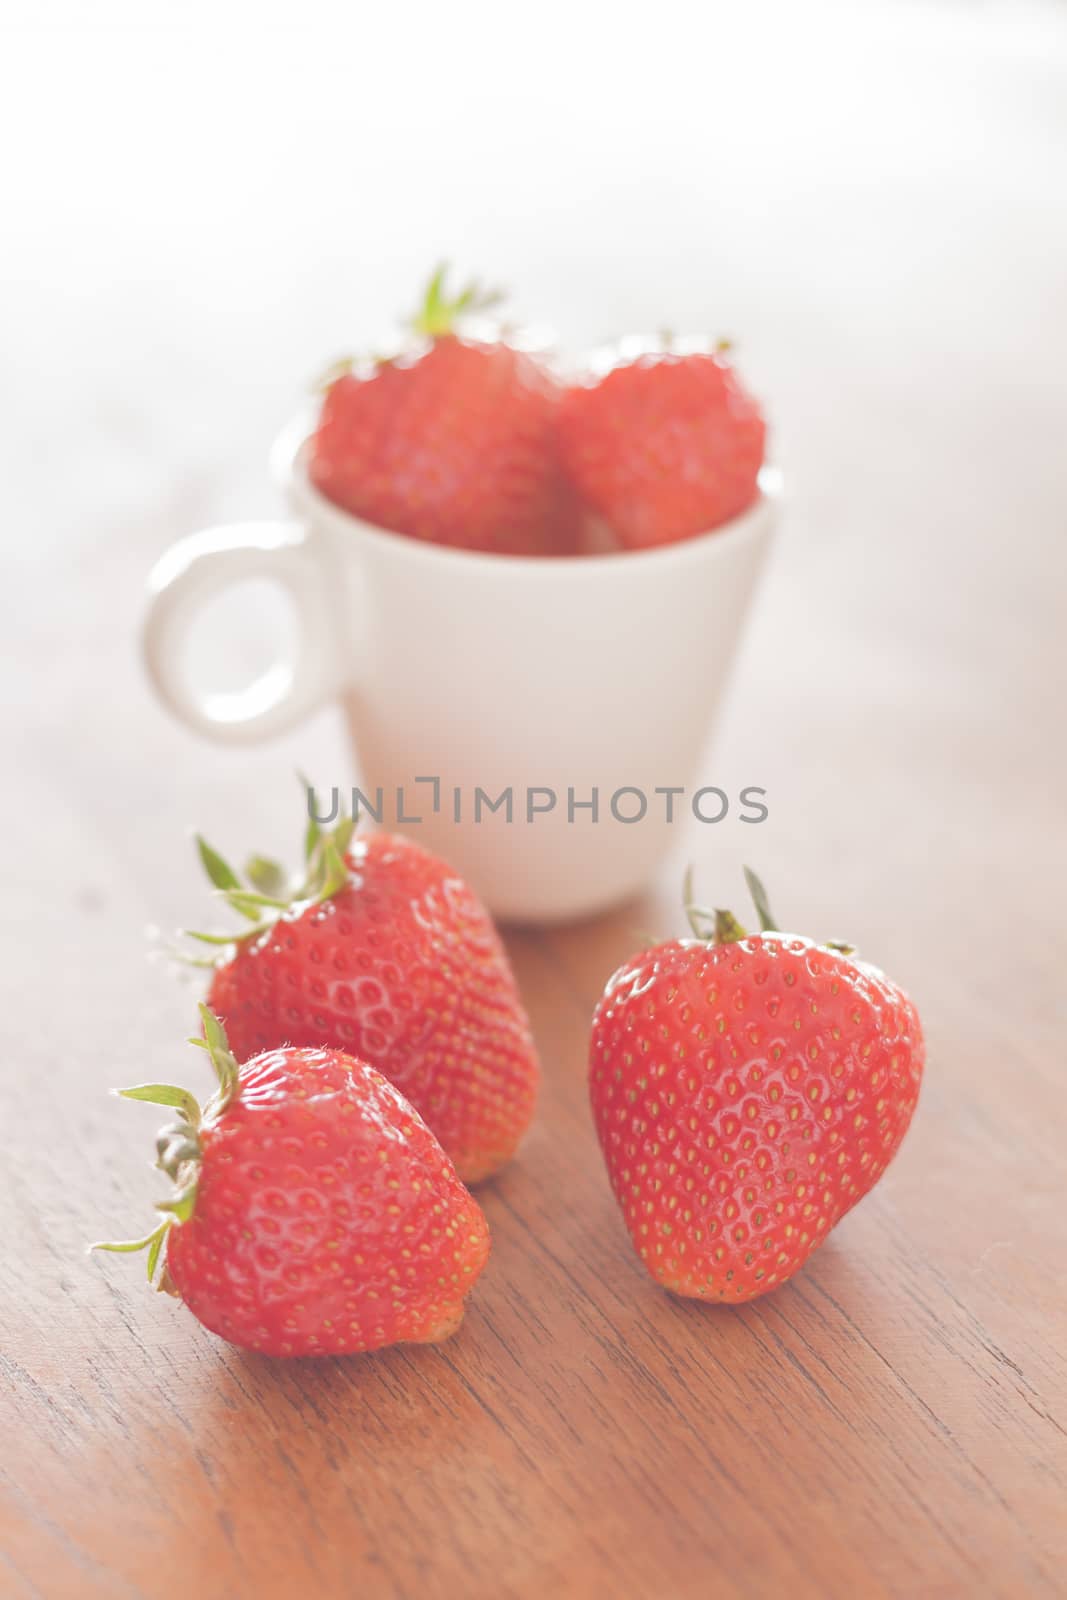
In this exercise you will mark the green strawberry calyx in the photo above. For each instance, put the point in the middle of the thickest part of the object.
(178, 1148)
(265, 893)
(438, 316)
(440, 312)
(717, 926)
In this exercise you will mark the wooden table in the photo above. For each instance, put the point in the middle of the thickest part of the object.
(885, 237)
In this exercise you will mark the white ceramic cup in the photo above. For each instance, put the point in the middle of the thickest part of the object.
(486, 673)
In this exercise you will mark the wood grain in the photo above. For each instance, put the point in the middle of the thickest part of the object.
(892, 1424)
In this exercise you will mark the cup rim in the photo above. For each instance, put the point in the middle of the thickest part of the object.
(288, 465)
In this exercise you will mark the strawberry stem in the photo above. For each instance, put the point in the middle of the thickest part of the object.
(712, 926)
(176, 1146)
(439, 314)
(179, 1152)
(271, 894)
(722, 927)
(727, 928)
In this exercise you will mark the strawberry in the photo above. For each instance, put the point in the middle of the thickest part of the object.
(383, 952)
(665, 446)
(453, 441)
(747, 1092)
(314, 1213)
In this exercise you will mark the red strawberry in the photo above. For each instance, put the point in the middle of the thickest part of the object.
(747, 1092)
(666, 446)
(453, 442)
(385, 953)
(315, 1212)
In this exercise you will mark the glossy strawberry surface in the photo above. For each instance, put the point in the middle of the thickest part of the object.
(403, 967)
(455, 444)
(746, 1096)
(664, 447)
(327, 1218)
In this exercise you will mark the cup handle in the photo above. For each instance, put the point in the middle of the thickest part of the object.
(195, 570)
